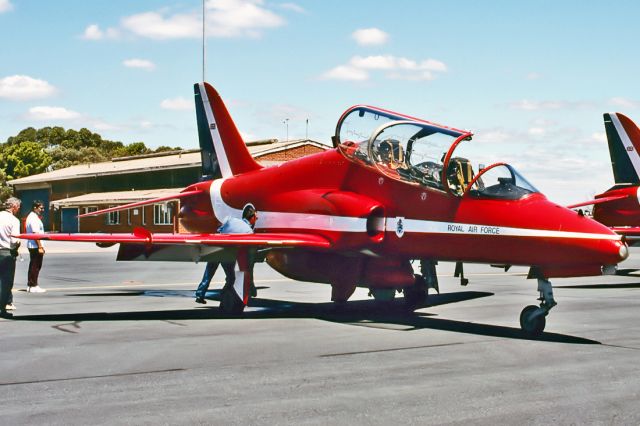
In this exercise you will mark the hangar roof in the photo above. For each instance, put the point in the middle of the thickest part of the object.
(117, 197)
(146, 163)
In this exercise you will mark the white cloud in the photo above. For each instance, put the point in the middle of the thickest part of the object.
(5, 6)
(155, 25)
(45, 113)
(237, 18)
(93, 32)
(346, 72)
(139, 63)
(600, 137)
(396, 68)
(537, 131)
(102, 126)
(177, 104)
(624, 103)
(370, 37)
(534, 76)
(23, 88)
(527, 105)
(225, 18)
(292, 7)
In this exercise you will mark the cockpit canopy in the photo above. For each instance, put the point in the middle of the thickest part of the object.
(419, 152)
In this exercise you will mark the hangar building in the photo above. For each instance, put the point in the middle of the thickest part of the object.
(79, 189)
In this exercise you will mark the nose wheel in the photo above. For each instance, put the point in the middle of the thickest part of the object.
(533, 318)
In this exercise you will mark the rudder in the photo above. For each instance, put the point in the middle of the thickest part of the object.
(623, 137)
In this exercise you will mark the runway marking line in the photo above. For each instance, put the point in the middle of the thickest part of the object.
(170, 370)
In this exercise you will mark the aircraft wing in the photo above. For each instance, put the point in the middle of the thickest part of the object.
(598, 201)
(220, 240)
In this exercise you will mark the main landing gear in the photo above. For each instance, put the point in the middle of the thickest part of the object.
(416, 295)
(533, 318)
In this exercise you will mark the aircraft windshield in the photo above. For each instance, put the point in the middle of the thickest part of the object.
(399, 146)
(500, 181)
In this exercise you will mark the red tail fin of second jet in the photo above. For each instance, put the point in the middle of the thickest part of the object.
(623, 137)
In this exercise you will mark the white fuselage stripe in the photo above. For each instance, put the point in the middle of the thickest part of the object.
(629, 148)
(221, 155)
(320, 222)
(432, 227)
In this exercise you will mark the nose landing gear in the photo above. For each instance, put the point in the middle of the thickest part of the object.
(533, 318)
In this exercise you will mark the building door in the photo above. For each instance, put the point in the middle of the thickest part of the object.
(69, 220)
(28, 196)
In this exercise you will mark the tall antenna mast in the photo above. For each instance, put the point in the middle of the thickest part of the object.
(203, 41)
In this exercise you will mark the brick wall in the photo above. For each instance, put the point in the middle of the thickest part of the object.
(128, 221)
(290, 154)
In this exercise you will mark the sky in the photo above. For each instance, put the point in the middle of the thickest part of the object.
(531, 79)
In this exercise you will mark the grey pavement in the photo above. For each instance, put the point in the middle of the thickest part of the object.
(124, 343)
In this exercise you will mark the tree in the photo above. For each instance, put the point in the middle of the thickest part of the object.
(23, 159)
(33, 151)
(5, 190)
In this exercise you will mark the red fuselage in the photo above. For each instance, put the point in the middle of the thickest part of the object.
(621, 212)
(366, 214)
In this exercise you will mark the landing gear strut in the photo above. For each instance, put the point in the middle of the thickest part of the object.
(417, 294)
(533, 318)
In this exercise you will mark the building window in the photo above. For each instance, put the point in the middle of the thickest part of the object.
(162, 214)
(113, 218)
(128, 216)
(90, 209)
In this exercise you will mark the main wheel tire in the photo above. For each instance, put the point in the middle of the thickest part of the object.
(230, 303)
(384, 295)
(530, 324)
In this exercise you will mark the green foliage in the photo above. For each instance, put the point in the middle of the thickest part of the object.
(5, 190)
(137, 148)
(24, 159)
(35, 151)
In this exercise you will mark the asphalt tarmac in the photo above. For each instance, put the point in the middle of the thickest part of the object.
(124, 343)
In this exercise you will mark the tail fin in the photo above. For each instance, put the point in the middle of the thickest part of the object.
(224, 153)
(623, 137)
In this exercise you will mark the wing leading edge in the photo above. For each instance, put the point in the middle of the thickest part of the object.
(142, 236)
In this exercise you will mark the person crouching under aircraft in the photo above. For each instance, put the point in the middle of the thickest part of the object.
(230, 226)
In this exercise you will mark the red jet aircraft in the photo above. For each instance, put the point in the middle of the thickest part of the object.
(391, 191)
(619, 206)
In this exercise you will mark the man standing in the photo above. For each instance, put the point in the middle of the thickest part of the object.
(230, 226)
(36, 251)
(9, 226)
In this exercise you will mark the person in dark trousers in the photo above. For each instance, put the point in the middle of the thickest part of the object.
(9, 227)
(34, 225)
(230, 226)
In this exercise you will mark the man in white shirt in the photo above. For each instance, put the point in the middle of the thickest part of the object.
(34, 225)
(9, 226)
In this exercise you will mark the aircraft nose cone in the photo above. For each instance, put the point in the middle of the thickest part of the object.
(623, 251)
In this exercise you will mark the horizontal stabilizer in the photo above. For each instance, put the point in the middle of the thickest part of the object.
(631, 234)
(599, 201)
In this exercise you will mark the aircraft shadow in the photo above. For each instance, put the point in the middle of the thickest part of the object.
(369, 313)
(599, 286)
